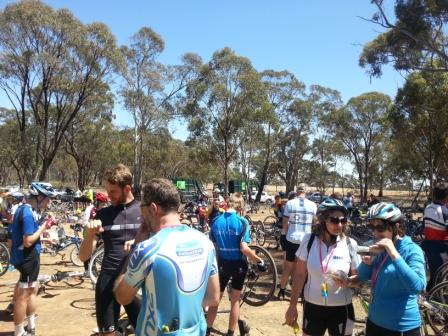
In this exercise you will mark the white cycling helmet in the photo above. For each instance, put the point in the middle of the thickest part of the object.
(385, 211)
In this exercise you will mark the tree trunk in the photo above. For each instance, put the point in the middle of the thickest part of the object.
(264, 173)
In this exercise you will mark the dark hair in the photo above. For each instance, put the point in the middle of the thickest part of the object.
(119, 175)
(322, 218)
(440, 191)
(397, 227)
(161, 192)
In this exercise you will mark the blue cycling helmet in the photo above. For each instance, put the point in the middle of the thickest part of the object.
(44, 189)
(332, 204)
(385, 211)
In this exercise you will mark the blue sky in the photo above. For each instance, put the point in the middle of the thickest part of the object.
(317, 40)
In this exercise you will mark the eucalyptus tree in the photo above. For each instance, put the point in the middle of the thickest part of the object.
(420, 124)
(50, 64)
(150, 89)
(223, 97)
(359, 125)
(414, 39)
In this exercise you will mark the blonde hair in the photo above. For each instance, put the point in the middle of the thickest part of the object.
(236, 201)
(119, 175)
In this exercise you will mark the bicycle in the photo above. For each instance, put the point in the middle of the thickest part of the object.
(65, 242)
(257, 233)
(4, 258)
(273, 227)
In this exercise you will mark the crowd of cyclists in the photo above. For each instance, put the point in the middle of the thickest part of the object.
(170, 278)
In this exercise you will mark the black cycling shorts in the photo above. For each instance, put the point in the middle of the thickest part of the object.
(337, 319)
(235, 269)
(107, 308)
(29, 271)
(291, 250)
(283, 242)
(374, 330)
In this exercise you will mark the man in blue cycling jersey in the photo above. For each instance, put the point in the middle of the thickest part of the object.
(175, 268)
(230, 233)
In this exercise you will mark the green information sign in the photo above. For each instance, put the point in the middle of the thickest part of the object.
(243, 186)
(180, 185)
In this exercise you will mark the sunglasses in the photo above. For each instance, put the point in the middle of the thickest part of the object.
(337, 220)
(378, 227)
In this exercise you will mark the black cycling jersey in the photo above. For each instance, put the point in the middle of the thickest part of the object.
(120, 224)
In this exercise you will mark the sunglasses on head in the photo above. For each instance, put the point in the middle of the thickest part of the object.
(377, 227)
(337, 220)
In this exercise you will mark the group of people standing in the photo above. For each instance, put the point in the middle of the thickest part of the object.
(166, 275)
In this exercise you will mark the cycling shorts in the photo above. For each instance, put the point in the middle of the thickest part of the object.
(338, 320)
(235, 269)
(291, 250)
(107, 308)
(283, 242)
(374, 330)
(29, 271)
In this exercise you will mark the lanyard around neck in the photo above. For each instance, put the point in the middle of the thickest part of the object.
(323, 268)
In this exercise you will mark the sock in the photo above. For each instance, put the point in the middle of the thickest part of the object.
(19, 330)
(209, 330)
(230, 332)
(31, 321)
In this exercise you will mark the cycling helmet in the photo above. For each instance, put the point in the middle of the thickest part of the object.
(217, 190)
(100, 197)
(17, 195)
(385, 211)
(44, 189)
(331, 204)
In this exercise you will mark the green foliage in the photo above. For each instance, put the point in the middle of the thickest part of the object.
(416, 41)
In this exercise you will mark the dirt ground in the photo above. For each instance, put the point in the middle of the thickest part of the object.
(67, 307)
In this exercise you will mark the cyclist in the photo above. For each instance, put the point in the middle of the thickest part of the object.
(435, 220)
(176, 269)
(298, 217)
(325, 253)
(397, 275)
(348, 202)
(230, 233)
(25, 255)
(117, 225)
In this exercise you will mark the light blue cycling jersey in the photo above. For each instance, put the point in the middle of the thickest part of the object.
(172, 268)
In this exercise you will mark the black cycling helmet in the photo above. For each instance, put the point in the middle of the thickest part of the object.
(38, 188)
(332, 204)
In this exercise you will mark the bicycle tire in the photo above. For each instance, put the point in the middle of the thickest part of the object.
(259, 286)
(74, 255)
(95, 264)
(4, 259)
(270, 221)
(441, 273)
(260, 237)
(437, 317)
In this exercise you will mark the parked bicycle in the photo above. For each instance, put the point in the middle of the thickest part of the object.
(70, 243)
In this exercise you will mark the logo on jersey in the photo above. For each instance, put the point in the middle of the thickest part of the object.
(142, 250)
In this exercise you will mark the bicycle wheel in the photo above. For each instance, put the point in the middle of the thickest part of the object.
(260, 237)
(441, 274)
(95, 264)
(436, 311)
(269, 221)
(4, 259)
(259, 286)
(74, 255)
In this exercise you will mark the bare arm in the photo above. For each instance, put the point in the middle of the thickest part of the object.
(29, 240)
(300, 275)
(90, 239)
(212, 293)
(123, 292)
(249, 253)
(285, 221)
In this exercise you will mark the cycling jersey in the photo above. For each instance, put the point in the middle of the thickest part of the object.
(120, 224)
(300, 213)
(334, 258)
(173, 268)
(436, 222)
(228, 231)
(25, 222)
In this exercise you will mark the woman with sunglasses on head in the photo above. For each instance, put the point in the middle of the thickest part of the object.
(397, 274)
(322, 257)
